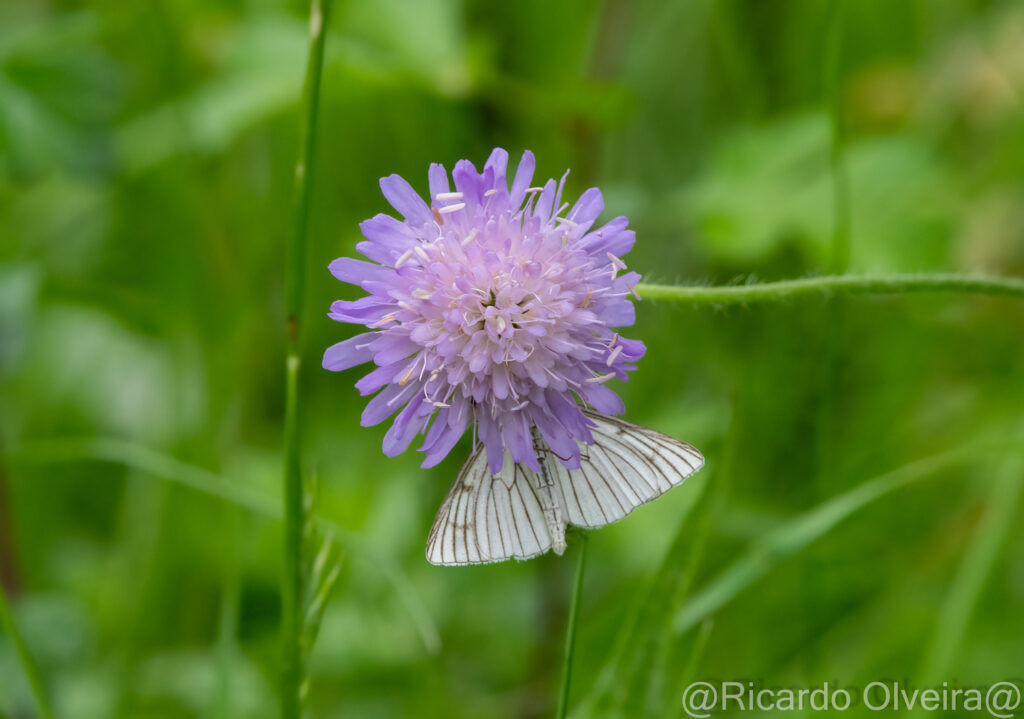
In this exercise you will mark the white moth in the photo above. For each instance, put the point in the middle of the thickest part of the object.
(519, 513)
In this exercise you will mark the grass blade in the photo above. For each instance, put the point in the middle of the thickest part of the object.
(25, 658)
(799, 533)
(974, 571)
(161, 466)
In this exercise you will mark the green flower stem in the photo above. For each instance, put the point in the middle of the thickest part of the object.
(292, 671)
(28, 664)
(570, 631)
(835, 285)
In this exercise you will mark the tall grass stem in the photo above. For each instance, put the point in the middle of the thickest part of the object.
(820, 570)
(28, 663)
(841, 204)
(292, 583)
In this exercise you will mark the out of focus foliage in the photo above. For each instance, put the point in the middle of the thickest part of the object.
(145, 174)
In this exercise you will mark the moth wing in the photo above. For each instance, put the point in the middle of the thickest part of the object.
(626, 466)
(489, 517)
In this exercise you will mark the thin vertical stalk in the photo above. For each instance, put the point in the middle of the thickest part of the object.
(8, 561)
(292, 583)
(226, 648)
(28, 664)
(820, 567)
(839, 261)
(570, 631)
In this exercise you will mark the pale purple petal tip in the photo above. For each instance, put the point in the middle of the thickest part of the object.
(404, 199)
(349, 353)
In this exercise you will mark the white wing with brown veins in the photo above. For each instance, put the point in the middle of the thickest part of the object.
(519, 513)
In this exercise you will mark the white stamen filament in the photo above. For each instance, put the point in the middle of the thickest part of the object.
(400, 397)
(490, 192)
(451, 208)
(470, 237)
(559, 379)
(633, 291)
(448, 196)
(566, 221)
(421, 293)
(613, 355)
(616, 261)
(422, 253)
(403, 258)
(601, 378)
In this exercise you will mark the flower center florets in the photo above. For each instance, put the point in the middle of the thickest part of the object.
(509, 305)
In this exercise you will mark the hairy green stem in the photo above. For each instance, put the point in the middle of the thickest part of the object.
(292, 669)
(835, 285)
(570, 631)
(28, 664)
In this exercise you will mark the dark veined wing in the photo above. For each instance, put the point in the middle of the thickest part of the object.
(626, 466)
(489, 517)
(493, 517)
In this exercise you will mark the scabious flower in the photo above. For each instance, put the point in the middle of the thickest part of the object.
(489, 307)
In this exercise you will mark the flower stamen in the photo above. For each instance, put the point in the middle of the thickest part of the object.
(613, 355)
(403, 258)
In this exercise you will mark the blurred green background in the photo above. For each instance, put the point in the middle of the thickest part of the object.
(146, 154)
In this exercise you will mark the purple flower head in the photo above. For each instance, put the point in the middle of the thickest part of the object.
(490, 306)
